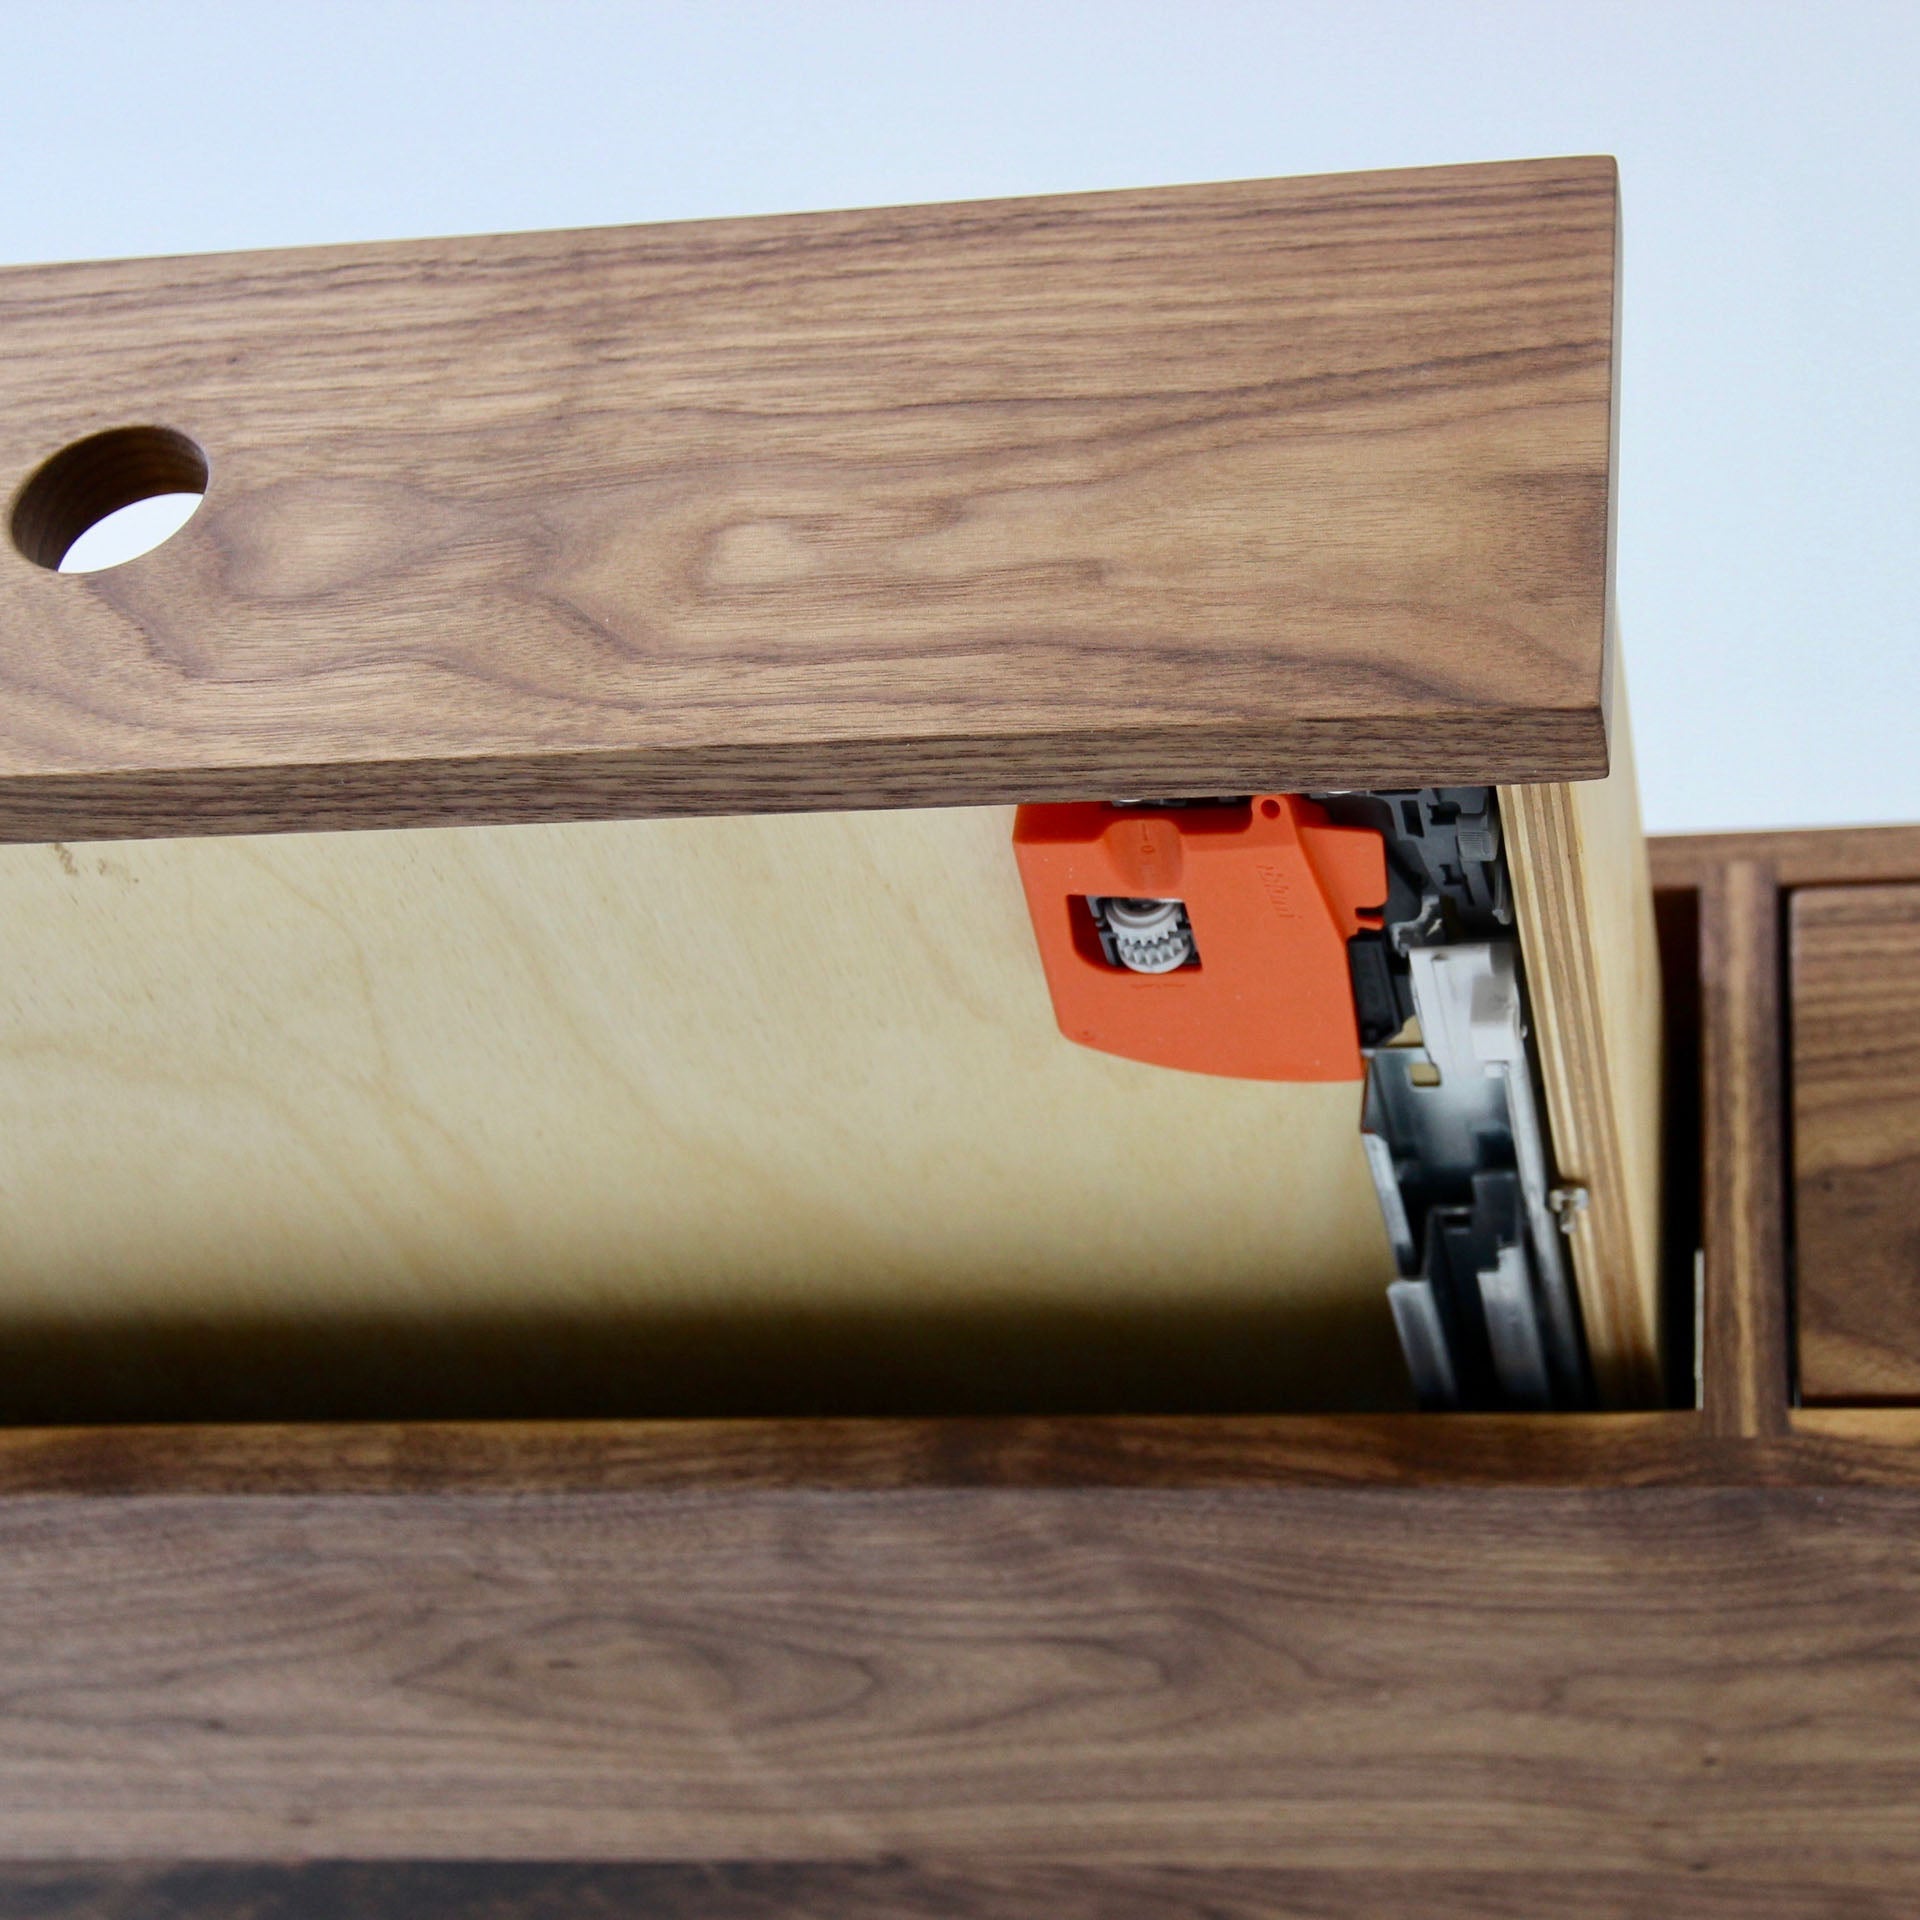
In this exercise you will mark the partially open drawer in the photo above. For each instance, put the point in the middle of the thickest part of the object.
(516, 910)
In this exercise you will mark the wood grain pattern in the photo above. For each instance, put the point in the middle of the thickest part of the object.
(1169, 1453)
(1711, 1681)
(1195, 490)
(754, 1115)
(1814, 1447)
(1856, 1140)
(1583, 901)
(1659, 1660)
(1746, 1365)
(1800, 857)
(1858, 1446)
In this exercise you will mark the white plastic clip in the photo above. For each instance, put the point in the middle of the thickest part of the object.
(1568, 1204)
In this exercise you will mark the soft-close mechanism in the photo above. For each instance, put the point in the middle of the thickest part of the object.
(1343, 936)
(1211, 937)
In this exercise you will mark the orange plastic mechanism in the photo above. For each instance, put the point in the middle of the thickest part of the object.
(1272, 889)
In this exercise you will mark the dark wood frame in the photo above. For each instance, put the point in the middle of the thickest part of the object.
(1324, 1665)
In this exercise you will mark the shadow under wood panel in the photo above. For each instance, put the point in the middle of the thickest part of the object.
(1856, 1140)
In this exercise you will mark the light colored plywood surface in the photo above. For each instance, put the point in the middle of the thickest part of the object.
(1583, 895)
(1202, 489)
(755, 1113)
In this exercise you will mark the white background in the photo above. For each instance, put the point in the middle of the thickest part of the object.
(1770, 487)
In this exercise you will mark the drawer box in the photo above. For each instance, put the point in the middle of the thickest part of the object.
(840, 535)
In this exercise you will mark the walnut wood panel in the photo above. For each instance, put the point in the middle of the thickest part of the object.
(1874, 1447)
(1801, 857)
(1201, 489)
(1871, 1446)
(417, 1458)
(1583, 901)
(1856, 1140)
(1669, 1680)
(1745, 1364)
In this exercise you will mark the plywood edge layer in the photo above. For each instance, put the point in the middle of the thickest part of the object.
(1583, 895)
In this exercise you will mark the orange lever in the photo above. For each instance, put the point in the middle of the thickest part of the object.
(1271, 891)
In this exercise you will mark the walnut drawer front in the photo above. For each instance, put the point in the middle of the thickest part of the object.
(1855, 962)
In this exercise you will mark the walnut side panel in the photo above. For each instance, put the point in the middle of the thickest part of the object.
(1746, 1385)
(1196, 490)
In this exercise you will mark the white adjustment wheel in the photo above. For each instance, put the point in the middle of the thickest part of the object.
(1149, 936)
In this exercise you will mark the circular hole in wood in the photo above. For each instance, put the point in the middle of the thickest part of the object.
(146, 481)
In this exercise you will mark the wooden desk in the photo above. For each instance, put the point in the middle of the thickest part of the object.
(1079, 1663)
